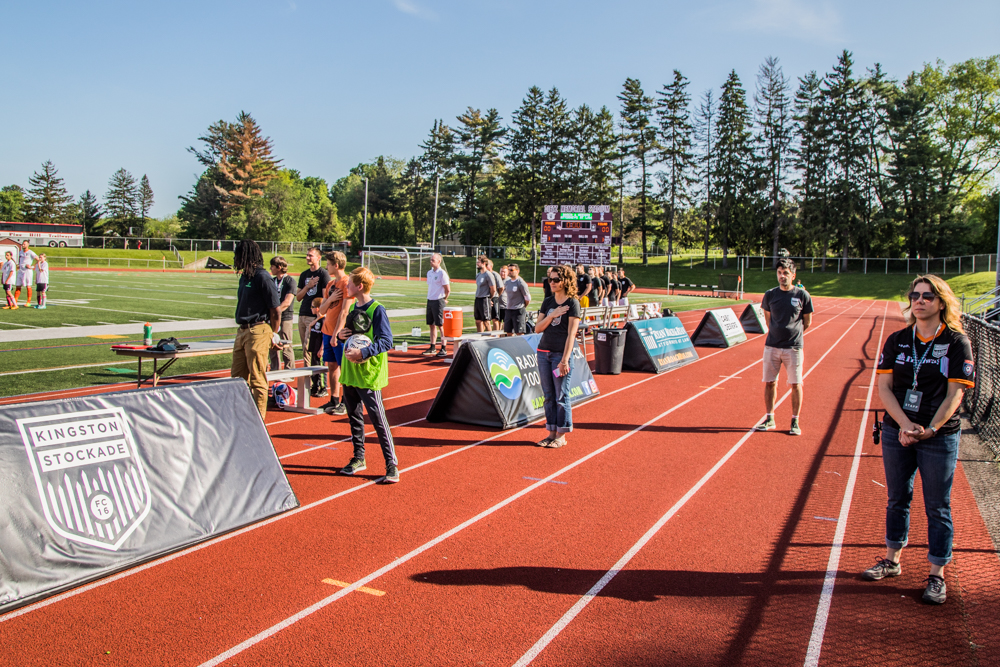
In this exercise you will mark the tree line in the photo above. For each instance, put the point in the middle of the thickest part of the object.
(833, 165)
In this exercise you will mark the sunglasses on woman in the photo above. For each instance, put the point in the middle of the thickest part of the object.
(925, 296)
(555, 280)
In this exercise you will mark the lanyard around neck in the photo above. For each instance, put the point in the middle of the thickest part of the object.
(918, 364)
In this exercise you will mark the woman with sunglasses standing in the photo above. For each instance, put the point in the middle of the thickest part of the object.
(558, 319)
(923, 371)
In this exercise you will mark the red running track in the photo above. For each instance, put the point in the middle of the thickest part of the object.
(665, 533)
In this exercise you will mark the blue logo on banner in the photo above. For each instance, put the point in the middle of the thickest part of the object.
(504, 373)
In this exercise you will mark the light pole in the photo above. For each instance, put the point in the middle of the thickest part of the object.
(364, 230)
(434, 225)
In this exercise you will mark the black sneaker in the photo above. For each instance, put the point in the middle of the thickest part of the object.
(795, 428)
(321, 393)
(339, 409)
(429, 352)
(442, 352)
(882, 568)
(936, 591)
(356, 465)
(326, 407)
(391, 475)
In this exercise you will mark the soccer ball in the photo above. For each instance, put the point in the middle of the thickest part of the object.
(357, 342)
(283, 394)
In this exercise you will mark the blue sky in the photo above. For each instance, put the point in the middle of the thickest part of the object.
(94, 86)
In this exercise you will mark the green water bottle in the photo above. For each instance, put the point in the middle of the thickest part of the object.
(147, 334)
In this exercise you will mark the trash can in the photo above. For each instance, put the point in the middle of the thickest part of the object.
(609, 350)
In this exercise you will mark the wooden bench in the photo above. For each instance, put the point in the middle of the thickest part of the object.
(304, 376)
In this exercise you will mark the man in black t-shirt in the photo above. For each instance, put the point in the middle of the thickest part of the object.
(312, 284)
(596, 288)
(788, 313)
(258, 319)
(613, 287)
(626, 286)
(286, 296)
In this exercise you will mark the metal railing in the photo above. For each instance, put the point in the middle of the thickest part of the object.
(982, 402)
(112, 262)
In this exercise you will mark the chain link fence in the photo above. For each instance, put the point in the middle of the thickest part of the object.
(983, 402)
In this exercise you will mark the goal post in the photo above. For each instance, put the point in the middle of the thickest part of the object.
(401, 262)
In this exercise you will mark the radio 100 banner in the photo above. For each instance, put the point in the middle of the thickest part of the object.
(576, 234)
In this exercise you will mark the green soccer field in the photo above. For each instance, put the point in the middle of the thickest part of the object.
(131, 298)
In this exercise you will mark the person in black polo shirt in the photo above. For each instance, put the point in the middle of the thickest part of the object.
(922, 372)
(626, 286)
(312, 283)
(788, 311)
(558, 320)
(257, 314)
(596, 288)
(614, 289)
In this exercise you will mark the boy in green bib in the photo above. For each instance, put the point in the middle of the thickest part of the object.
(365, 372)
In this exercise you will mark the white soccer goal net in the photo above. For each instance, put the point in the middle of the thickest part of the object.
(398, 261)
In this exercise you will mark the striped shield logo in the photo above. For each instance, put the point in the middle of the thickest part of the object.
(88, 474)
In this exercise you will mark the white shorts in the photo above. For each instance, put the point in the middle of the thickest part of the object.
(24, 278)
(792, 358)
(623, 302)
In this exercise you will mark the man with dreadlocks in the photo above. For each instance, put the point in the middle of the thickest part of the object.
(257, 303)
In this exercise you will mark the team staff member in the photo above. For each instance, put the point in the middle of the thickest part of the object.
(312, 283)
(286, 295)
(558, 320)
(788, 313)
(334, 308)
(485, 289)
(626, 285)
(25, 263)
(257, 314)
(518, 299)
(582, 286)
(438, 291)
(923, 371)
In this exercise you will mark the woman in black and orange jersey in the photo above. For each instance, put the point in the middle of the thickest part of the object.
(923, 371)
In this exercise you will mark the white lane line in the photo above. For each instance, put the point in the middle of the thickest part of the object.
(573, 611)
(15, 324)
(826, 597)
(223, 538)
(295, 618)
(112, 310)
(288, 622)
(67, 368)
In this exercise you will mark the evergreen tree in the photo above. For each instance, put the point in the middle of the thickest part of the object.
(676, 139)
(811, 158)
(734, 169)
(704, 133)
(202, 209)
(525, 153)
(143, 201)
(90, 213)
(556, 130)
(641, 143)
(120, 201)
(848, 151)
(602, 157)
(12, 203)
(245, 163)
(437, 166)
(480, 136)
(773, 112)
(878, 230)
(47, 199)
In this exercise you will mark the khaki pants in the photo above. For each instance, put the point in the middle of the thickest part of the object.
(250, 361)
(288, 352)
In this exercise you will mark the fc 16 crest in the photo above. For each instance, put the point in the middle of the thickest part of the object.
(89, 477)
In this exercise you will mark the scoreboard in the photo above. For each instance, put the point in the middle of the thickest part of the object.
(576, 234)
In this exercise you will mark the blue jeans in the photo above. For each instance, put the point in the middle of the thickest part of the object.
(935, 458)
(558, 413)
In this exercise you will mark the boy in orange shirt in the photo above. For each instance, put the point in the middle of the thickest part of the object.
(336, 304)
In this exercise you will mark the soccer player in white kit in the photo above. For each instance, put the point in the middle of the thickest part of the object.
(9, 272)
(25, 275)
(41, 280)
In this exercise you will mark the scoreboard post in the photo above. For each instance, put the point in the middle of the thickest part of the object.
(576, 234)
